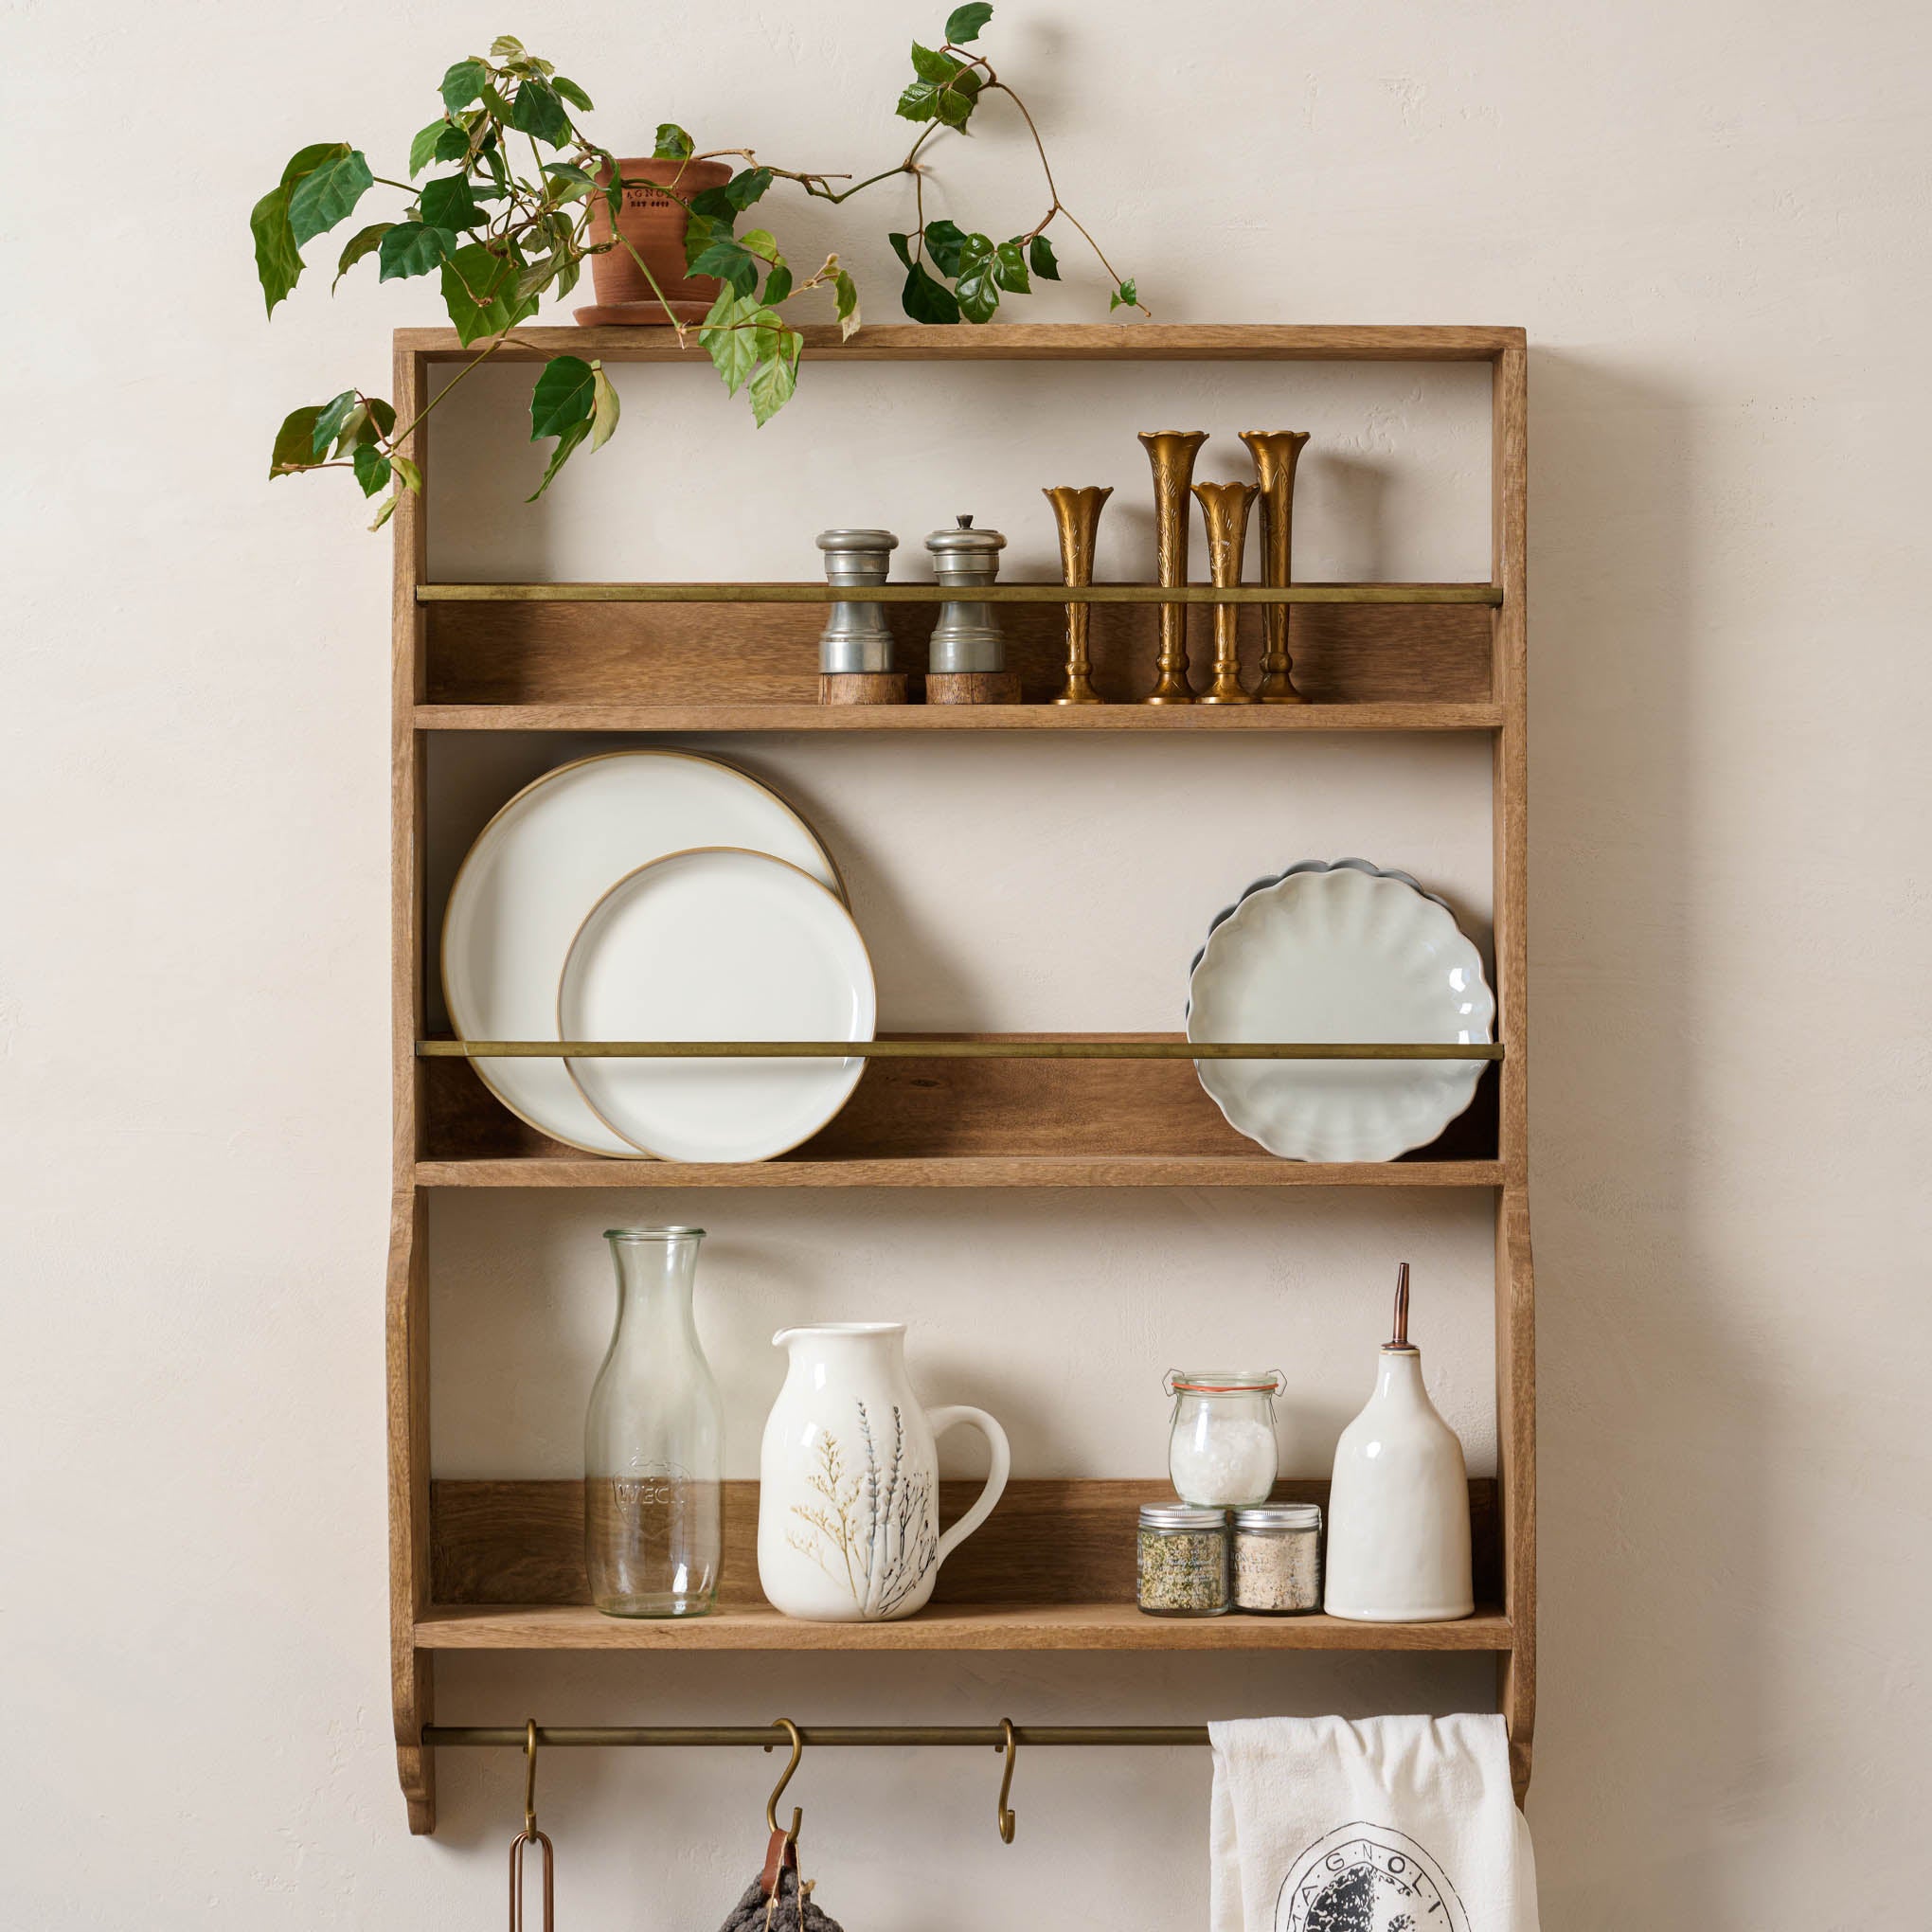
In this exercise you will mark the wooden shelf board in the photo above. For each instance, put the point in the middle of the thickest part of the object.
(1015, 593)
(616, 715)
(951, 1627)
(1015, 342)
(967, 1170)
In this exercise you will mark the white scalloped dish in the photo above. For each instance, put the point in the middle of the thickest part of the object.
(1340, 955)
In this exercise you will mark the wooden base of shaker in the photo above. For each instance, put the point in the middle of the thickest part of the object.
(862, 688)
(972, 688)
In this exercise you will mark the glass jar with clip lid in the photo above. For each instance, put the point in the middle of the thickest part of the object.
(1221, 1443)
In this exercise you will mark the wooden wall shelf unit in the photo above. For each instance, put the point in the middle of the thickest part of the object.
(499, 1565)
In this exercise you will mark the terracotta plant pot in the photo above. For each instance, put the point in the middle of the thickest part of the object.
(653, 225)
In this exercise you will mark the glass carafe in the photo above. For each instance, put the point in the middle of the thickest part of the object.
(653, 1440)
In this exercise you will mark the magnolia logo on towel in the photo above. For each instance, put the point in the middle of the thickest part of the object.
(1368, 1878)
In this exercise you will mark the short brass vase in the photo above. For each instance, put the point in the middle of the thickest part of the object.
(1224, 510)
(1078, 515)
(1171, 453)
(1275, 452)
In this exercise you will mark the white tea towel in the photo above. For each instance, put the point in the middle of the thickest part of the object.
(1391, 1824)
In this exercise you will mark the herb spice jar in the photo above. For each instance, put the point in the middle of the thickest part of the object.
(1182, 1561)
(1278, 1559)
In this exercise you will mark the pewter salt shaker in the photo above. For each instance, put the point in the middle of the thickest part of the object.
(855, 636)
(967, 638)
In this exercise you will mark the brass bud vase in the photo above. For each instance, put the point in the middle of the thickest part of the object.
(1078, 515)
(1224, 510)
(1171, 453)
(1275, 452)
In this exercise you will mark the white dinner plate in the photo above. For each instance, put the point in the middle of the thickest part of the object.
(538, 867)
(1332, 953)
(717, 944)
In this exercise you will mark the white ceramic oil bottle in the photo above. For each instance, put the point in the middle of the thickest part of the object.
(1398, 1540)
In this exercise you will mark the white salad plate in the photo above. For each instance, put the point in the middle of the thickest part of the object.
(1341, 952)
(717, 944)
(538, 867)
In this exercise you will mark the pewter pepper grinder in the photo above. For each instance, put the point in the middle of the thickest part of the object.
(855, 646)
(967, 660)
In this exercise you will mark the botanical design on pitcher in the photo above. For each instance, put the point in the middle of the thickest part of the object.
(872, 1528)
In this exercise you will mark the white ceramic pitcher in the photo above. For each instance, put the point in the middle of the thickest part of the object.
(849, 1492)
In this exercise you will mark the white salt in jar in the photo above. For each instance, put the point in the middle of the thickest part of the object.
(1220, 1449)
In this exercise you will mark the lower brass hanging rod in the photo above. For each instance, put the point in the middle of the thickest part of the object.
(987, 1735)
(944, 1048)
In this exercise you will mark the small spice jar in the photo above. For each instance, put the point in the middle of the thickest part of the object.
(1182, 1565)
(1278, 1559)
(1220, 1443)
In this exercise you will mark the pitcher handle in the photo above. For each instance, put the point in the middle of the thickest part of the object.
(939, 1421)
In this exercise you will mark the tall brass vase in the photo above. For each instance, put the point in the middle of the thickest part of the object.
(1225, 511)
(1275, 452)
(1171, 453)
(1078, 515)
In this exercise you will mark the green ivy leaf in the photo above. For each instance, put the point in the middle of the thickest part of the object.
(1040, 253)
(371, 468)
(567, 183)
(701, 231)
(452, 144)
(778, 286)
(572, 93)
(731, 263)
(422, 149)
(919, 103)
(506, 46)
(955, 102)
(329, 424)
(1010, 268)
(727, 340)
(479, 291)
(603, 408)
(761, 242)
(363, 241)
(410, 475)
(566, 444)
(931, 67)
(901, 247)
(462, 83)
(946, 244)
(294, 439)
(539, 113)
(773, 382)
(977, 289)
(278, 260)
(673, 144)
(497, 105)
(847, 292)
(965, 23)
(415, 248)
(387, 510)
(926, 301)
(327, 193)
(562, 396)
(715, 204)
(1125, 297)
(447, 203)
(745, 187)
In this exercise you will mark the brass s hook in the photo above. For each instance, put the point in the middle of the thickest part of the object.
(530, 1836)
(771, 1809)
(1007, 1823)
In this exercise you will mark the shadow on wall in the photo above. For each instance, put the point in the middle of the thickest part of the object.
(1654, 1465)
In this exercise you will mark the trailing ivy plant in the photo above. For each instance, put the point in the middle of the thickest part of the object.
(501, 232)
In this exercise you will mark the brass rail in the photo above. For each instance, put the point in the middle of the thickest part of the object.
(990, 1735)
(945, 1047)
(934, 593)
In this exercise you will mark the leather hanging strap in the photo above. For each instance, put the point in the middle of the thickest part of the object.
(782, 1854)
